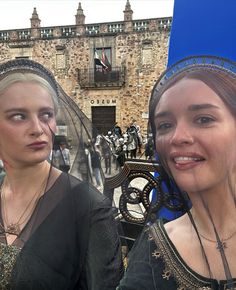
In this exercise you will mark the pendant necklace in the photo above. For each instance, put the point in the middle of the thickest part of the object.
(14, 228)
(221, 244)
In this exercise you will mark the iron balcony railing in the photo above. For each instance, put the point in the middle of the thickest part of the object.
(92, 78)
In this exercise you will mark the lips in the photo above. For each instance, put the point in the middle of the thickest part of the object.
(187, 160)
(37, 145)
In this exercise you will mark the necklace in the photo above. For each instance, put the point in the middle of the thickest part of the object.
(14, 228)
(221, 244)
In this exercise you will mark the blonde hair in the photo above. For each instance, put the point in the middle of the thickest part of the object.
(18, 77)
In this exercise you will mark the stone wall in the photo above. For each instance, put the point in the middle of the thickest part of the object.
(142, 53)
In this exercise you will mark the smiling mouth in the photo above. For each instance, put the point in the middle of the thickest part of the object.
(185, 159)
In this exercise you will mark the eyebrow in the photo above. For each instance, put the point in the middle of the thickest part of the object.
(162, 114)
(197, 107)
(192, 108)
(22, 110)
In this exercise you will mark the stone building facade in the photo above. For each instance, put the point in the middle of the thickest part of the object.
(108, 68)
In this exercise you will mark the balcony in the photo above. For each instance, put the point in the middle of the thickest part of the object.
(89, 78)
(89, 30)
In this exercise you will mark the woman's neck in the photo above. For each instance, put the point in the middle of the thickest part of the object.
(22, 180)
(218, 207)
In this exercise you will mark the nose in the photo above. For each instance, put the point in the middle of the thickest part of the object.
(36, 128)
(182, 135)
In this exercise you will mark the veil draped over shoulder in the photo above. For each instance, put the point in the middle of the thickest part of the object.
(70, 241)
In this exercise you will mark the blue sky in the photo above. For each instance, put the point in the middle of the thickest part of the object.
(17, 13)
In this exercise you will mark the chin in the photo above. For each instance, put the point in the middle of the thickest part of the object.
(34, 162)
(189, 184)
(193, 187)
(37, 158)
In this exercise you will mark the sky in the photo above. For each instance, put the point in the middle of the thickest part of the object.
(16, 14)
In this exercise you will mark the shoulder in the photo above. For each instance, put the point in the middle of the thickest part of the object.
(176, 237)
(174, 231)
(57, 152)
(177, 227)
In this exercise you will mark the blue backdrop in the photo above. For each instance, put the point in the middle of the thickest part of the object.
(203, 27)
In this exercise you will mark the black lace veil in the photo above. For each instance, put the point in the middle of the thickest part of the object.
(225, 72)
(74, 127)
(83, 141)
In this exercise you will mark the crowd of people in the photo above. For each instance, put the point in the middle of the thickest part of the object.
(128, 142)
(120, 146)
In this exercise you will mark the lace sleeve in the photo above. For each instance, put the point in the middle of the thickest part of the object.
(104, 260)
(139, 274)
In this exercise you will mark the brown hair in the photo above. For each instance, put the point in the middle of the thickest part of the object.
(221, 82)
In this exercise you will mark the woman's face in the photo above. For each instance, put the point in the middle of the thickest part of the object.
(195, 136)
(26, 120)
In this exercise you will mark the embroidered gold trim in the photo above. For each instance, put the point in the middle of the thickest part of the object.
(185, 279)
(8, 256)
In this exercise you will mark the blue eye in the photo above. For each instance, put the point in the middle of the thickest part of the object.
(163, 127)
(18, 117)
(47, 116)
(204, 120)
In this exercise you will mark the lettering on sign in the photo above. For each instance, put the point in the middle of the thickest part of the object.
(102, 102)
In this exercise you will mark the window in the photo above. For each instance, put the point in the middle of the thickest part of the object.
(102, 59)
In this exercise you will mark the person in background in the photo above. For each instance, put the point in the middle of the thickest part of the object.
(96, 165)
(139, 139)
(62, 157)
(132, 143)
(149, 148)
(117, 130)
(120, 157)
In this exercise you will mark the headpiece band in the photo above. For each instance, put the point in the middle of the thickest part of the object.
(194, 63)
(27, 65)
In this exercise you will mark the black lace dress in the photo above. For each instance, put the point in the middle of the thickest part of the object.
(70, 242)
(154, 264)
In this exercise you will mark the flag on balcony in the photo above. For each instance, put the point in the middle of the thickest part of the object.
(105, 60)
(99, 62)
